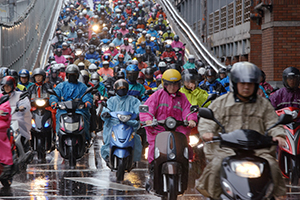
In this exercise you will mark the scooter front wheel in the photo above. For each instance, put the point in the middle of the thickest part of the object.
(72, 159)
(172, 187)
(121, 170)
(41, 154)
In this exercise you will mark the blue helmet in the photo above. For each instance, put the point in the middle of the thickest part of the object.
(132, 68)
(24, 73)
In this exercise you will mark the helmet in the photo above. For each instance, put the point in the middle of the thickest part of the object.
(245, 72)
(201, 71)
(55, 69)
(144, 32)
(111, 45)
(176, 38)
(168, 46)
(132, 72)
(39, 71)
(81, 64)
(51, 58)
(134, 62)
(92, 48)
(120, 74)
(92, 68)
(148, 36)
(24, 73)
(162, 67)
(141, 76)
(95, 78)
(84, 73)
(121, 55)
(190, 75)
(105, 63)
(171, 76)
(143, 43)
(290, 72)
(121, 83)
(148, 71)
(64, 44)
(84, 12)
(211, 72)
(105, 29)
(72, 69)
(222, 71)
(106, 57)
(148, 47)
(123, 24)
(191, 57)
(138, 56)
(10, 81)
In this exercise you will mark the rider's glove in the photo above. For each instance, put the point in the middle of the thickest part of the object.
(106, 115)
(87, 104)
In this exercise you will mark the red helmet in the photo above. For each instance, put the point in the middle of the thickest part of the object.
(121, 56)
(10, 81)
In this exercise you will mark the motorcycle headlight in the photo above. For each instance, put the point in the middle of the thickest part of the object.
(104, 25)
(124, 118)
(40, 102)
(62, 106)
(78, 52)
(132, 136)
(247, 169)
(226, 188)
(33, 123)
(95, 28)
(171, 123)
(72, 126)
(169, 41)
(193, 140)
(103, 49)
(47, 123)
(153, 38)
(113, 136)
(130, 40)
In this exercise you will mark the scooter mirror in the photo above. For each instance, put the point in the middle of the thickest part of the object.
(212, 97)
(143, 108)
(4, 99)
(194, 108)
(206, 113)
(111, 92)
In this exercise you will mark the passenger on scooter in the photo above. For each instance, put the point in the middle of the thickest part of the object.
(135, 89)
(68, 90)
(289, 95)
(240, 109)
(54, 78)
(190, 64)
(24, 78)
(212, 85)
(165, 103)
(121, 102)
(177, 44)
(23, 115)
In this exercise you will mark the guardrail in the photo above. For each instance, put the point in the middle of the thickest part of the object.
(186, 34)
(22, 40)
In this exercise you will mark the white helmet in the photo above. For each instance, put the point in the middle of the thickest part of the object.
(92, 68)
(201, 71)
(191, 57)
(84, 12)
(162, 64)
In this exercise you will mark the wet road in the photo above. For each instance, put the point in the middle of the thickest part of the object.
(91, 179)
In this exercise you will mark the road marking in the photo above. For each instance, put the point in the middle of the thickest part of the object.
(104, 184)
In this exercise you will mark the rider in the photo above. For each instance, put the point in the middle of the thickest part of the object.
(190, 64)
(160, 26)
(118, 41)
(23, 115)
(162, 66)
(168, 34)
(123, 29)
(105, 70)
(83, 60)
(212, 85)
(94, 40)
(224, 78)
(135, 89)
(13, 73)
(59, 58)
(131, 34)
(152, 31)
(141, 49)
(141, 64)
(177, 44)
(169, 53)
(149, 56)
(54, 78)
(149, 78)
(268, 88)
(289, 95)
(142, 38)
(112, 50)
(68, 90)
(240, 109)
(24, 78)
(92, 54)
(129, 48)
(121, 102)
(165, 103)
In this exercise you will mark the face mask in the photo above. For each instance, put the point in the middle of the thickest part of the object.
(95, 82)
(122, 92)
(72, 79)
(159, 23)
(93, 38)
(59, 54)
(210, 80)
(118, 15)
(169, 32)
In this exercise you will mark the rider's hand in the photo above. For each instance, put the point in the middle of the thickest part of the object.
(149, 122)
(21, 108)
(207, 137)
(96, 97)
(106, 115)
(280, 140)
(54, 105)
(192, 123)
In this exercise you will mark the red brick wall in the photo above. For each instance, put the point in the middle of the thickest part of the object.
(255, 43)
(267, 53)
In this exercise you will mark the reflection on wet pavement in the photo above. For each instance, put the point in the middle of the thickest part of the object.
(90, 180)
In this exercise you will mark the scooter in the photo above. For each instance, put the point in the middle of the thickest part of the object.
(71, 135)
(289, 157)
(42, 134)
(121, 144)
(171, 158)
(245, 175)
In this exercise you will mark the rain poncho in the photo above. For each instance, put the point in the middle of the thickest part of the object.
(225, 82)
(70, 91)
(137, 90)
(189, 65)
(118, 42)
(127, 57)
(5, 153)
(178, 44)
(117, 103)
(195, 97)
(162, 105)
(23, 117)
(211, 88)
(285, 98)
(153, 33)
(141, 50)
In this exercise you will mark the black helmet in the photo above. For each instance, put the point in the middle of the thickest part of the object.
(121, 83)
(119, 34)
(14, 74)
(222, 71)
(39, 71)
(176, 38)
(211, 72)
(72, 69)
(120, 75)
(50, 59)
(148, 47)
(189, 75)
(10, 81)
(116, 69)
(148, 71)
(245, 72)
(290, 72)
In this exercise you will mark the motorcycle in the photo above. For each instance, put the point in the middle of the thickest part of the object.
(244, 175)
(121, 144)
(42, 134)
(71, 135)
(289, 157)
(171, 158)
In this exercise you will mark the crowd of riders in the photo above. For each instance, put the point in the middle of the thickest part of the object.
(127, 51)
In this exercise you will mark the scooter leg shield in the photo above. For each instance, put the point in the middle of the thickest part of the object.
(171, 168)
(121, 153)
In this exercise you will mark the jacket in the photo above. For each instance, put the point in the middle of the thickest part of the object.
(61, 59)
(112, 53)
(195, 97)
(284, 98)
(128, 48)
(234, 114)
(137, 90)
(215, 87)
(189, 65)
(162, 105)
(86, 63)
